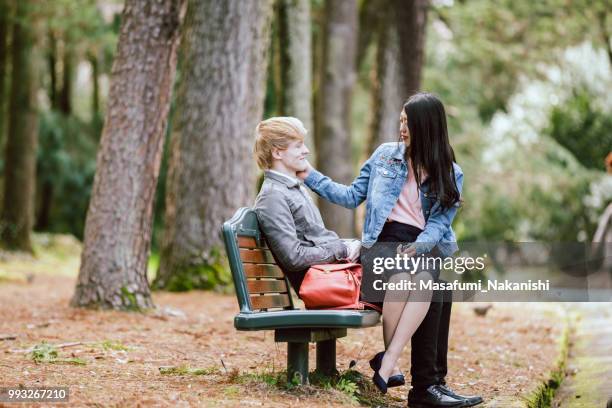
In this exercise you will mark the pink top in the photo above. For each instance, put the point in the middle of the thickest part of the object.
(408, 209)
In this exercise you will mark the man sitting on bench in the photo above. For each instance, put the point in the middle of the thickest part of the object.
(286, 213)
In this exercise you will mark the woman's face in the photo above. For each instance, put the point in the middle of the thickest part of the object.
(404, 132)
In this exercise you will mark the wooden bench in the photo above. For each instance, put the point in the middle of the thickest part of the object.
(265, 301)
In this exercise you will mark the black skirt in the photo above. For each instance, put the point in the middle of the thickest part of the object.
(392, 234)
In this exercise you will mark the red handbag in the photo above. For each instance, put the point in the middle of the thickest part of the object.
(332, 286)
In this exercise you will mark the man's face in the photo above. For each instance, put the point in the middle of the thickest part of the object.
(294, 157)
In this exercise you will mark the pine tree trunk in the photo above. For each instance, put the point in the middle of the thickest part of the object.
(52, 64)
(65, 95)
(296, 63)
(4, 34)
(411, 17)
(113, 270)
(219, 102)
(20, 156)
(386, 93)
(95, 79)
(334, 104)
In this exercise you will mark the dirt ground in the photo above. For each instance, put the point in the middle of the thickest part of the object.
(507, 353)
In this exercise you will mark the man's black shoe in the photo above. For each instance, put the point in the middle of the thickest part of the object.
(470, 401)
(432, 397)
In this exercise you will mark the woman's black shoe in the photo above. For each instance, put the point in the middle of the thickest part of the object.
(379, 383)
(376, 361)
(395, 380)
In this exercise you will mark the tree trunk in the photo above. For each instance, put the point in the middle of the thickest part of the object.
(52, 64)
(296, 63)
(44, 211)
(334, 105)
(386, 93)
(4, 34)
(20, 161)
(65, 94)
(411, 17)
(113, 271)
(95, 79)
(219, 102)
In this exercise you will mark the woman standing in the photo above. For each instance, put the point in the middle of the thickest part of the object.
(413, 190)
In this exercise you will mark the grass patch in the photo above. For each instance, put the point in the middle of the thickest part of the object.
(47, 353)
(54, 254)
(350, 386)
(186, 370)
(543, 396)
(107, 345)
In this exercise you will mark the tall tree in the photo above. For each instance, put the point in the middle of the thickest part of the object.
(65, 93)
(4, 37)
(386, 88)
(17, 214)
(337, 78)
(118, 226)
(219, 102)
(296, 62)
(411, 22)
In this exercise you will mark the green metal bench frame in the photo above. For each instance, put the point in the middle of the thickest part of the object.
(268, 305)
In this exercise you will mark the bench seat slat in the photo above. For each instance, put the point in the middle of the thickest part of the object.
(259, 256)
(267, 286)
(268, 302)
(262, 271)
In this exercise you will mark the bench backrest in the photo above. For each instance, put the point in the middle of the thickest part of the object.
(260, 283)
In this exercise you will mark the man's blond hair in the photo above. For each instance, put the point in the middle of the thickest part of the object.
(277, 133)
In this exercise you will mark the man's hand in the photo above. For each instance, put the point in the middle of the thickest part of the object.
(354, 248)
(408, 249)
(303, 174)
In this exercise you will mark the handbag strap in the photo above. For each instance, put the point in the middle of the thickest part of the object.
(335, 267)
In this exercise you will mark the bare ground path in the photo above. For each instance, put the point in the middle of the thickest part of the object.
(121, 358)
(504, 354)
(589, 370)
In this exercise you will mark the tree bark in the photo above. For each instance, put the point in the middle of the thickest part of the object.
(95, 79)
(65, 94)
(4, 35)
(219, 102)
(52, 64)
(334, 104)
(411, 24)
(113, 271)
(386, 93)
(296, 63)
(20, 161)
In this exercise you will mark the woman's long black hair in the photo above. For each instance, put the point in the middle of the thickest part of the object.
(429, 148)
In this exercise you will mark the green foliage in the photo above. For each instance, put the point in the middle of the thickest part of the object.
(210, 273)
(43, 353)
(129, 301)
(186, 370)
(478, 50)
(66, 164)
(113, 345)
(47, 353)
(583, 129)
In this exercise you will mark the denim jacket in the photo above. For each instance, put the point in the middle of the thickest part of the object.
(380, 181)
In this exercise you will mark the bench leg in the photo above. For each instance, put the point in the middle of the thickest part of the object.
(326, 357)
(297, 361)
